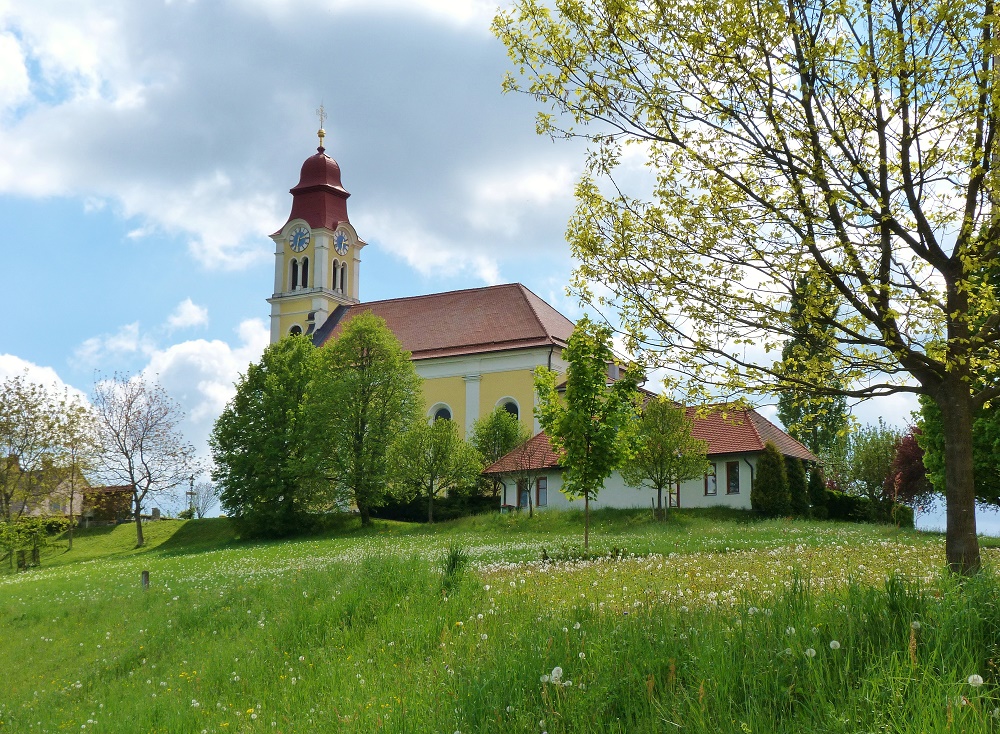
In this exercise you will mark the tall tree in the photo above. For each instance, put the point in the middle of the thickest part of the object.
(29, 418)
(661, 452)
(140, 443)
(76, 448)
(584, 426)
(204, 499)
(819, 420)
(985, 449)
(432, 460)
(871, 451)
(496, 435)
(258, 443)
(769, 494)
(798, 488)
(854, 142)
(365, 391)
(910, 484)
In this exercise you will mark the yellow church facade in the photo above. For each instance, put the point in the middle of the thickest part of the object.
(476, 349)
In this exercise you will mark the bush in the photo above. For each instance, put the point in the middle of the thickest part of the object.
(817, 494)
(445, 508)
(769, 494)
(862, 509)
(797, 490)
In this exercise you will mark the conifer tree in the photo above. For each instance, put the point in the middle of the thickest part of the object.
(817, 494)
(769, 494)
(798, 490)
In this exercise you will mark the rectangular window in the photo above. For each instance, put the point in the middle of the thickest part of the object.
(711, 481)
(542, 489)
(674, 496)
(732, 477)
(523, 497)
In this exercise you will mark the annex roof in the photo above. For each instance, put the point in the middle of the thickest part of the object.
(726, 430)
(457, 323)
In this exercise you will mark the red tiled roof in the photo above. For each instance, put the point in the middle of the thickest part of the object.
(463, 322)
(536, 453)
(319, 197)
(726, 430)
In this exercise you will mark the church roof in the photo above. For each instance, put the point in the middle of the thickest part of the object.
(726, 430)
(456, 323)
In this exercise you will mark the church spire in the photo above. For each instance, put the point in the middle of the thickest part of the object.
(321, 112)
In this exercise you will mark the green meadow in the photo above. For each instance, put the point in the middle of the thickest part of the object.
(707, 622)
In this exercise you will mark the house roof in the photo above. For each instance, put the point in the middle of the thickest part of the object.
(726, 430)
(456, 323)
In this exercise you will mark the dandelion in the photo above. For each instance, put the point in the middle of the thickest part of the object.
(975, 680)
(583, 655)
(556, 674)
(914, 625)
(789, 631)
(834, 645)
(810, 653)
(484, 635)
(576, 626)
(544, 679)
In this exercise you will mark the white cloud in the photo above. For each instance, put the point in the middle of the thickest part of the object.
(14, 83)
(501, 199)
(187, 314)
(126, 341)
(13, 366)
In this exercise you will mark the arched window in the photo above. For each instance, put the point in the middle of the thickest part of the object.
(343, 278)
(295, 330)
(305, 272)
(440, 412)
(294, 280)
(510, 405)
(336, 274)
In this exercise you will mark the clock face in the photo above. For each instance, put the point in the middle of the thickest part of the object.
(299, 239)
(340, 243)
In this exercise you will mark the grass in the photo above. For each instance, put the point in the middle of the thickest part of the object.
(707, 622)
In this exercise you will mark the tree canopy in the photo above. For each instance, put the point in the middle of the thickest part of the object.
(496, 435)
(850, 142)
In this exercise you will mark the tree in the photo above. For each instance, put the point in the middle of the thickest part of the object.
(871, 451)
(496, 435)
(258, 443)
(365, 391)
(204, 499)
(817, 494)
(28, 425)
(584, 427)
(769, 493)
(798, 490)
(818, 420)
(851, 142)
(910, 484)
(139, 442)
(432, 460)
(985, 449)
(75, 451)
(661, 450)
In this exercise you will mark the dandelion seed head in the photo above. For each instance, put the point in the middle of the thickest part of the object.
(834, 645)
(810, 653)
(975, 680)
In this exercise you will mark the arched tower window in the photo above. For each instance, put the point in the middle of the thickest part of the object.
(294, 278)
(343, 277)
(336, 274)
(305, 272)
(295, 330)
(440, 412)
(510, 405)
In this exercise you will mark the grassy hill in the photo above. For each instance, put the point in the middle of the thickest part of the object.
(711, 621)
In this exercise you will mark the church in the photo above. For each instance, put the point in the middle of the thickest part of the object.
(476, 350)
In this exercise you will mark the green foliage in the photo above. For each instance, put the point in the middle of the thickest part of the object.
(494, 436)
(769, 494)
(661, 451)
(29, 420)
(871, 451)
(762, 182)
(854, 508)
(432, 460)
(364, 390)
(817, 419)
(817, 494)
(798, 491)
(985, 449)
(258, 443)
(585, 426)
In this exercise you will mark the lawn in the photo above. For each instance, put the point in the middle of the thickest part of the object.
(710, 621)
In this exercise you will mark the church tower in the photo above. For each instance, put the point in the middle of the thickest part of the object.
(317, 256)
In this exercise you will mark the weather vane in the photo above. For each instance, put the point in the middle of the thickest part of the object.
(321, 112)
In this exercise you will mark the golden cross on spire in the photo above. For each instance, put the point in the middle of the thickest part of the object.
(321, 112)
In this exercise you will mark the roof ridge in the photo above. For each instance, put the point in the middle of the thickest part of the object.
(750, 413)
(441, 293)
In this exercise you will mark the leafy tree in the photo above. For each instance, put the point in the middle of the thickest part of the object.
(584, 427)
(258, 443)
(798, 490)
(76, 438)
(849, 142)
(871, 452)
(661, 450)
(985, 449)
(28, 419)
(769, 494)
(818, 420)
(365, 391)
(432, 460)
(910, 483)
(139, 442)
(817, 494)
(495, 436)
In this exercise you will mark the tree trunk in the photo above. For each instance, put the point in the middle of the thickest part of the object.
(366, 515)
(139, 542)
(430, 506)
(659, 502)
(586, 523)
(961, 543)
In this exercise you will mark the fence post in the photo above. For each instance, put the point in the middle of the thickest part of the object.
(145, 580)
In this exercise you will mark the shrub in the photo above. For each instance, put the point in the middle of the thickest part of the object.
(797, 490)
(863, 509)
(817, 494)
(769, 494)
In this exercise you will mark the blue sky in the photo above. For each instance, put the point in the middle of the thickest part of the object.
(147, 149)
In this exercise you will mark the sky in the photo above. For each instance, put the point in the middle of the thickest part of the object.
(147, 149)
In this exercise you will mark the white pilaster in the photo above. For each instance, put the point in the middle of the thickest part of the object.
(471, 402)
